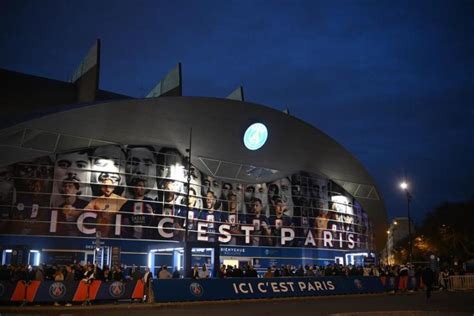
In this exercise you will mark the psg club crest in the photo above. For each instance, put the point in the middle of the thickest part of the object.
(116, 289)
(358, 284)
(57, 290)
(196, 289)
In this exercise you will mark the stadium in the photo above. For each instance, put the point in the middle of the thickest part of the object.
(89, 175)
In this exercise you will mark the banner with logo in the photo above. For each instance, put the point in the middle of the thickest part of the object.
(51, 291)
(251, 288)
(6, 290)
(74, 291)
(116, 290)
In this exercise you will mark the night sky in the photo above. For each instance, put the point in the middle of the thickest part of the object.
(392, 81)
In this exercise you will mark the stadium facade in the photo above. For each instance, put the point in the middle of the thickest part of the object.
(90, 175)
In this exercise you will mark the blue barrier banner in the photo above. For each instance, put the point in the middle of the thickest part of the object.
(175, 290)
(51, 291)
(6, 290)
(115, 290)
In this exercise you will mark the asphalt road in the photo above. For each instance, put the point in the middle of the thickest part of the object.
(441, 303)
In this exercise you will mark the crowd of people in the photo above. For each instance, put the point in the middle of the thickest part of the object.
(72, 272)
(396, 277)
(76, 272)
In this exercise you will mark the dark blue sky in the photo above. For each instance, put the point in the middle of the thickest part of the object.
(392, 81)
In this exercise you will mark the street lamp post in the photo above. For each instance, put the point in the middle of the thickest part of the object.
(404, 186)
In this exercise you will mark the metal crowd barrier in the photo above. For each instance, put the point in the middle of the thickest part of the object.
(401, 284)
(460, 282)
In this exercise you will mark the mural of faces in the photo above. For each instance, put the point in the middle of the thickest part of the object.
(73, 167)
(141, 165)
(232, 202)
(319, 195)
(192, 197)
(139, 189)
(69, 189)
(210, 201)
(107, 163)
(214, 186)
(256, 207)
(7, 186)
(281, 189)
(258, 191)
(342, 205)
(234, 190)
(26, 173)
(108, 170)
(196, 187)
(7, 194)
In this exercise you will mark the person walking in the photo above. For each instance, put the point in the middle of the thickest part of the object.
(428, 279)
(148, 289)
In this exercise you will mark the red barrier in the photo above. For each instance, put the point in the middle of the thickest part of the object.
(31, 291)
(403, 283)
(138, 292)
(19, 293)
(85, 289)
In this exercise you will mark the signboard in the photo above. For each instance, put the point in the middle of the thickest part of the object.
(250, 288)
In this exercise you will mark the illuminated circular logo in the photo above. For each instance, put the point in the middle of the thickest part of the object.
(117, 289)
(196, 289)
(255, 136)
(57, 290)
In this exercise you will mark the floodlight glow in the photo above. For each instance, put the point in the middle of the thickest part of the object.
(37, 257)
(255, 136)
(404, 185)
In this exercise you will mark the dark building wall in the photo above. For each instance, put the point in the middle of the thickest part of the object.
(22, 96)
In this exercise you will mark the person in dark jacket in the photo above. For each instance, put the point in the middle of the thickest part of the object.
(117, 275)
(276, 272)
(428, 279)
(69, 274)
(176, 274)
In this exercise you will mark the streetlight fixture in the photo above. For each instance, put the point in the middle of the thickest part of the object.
(404, 187)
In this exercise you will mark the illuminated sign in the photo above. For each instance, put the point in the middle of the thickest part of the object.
(255, 136)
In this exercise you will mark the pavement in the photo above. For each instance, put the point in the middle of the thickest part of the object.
(441, 303)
